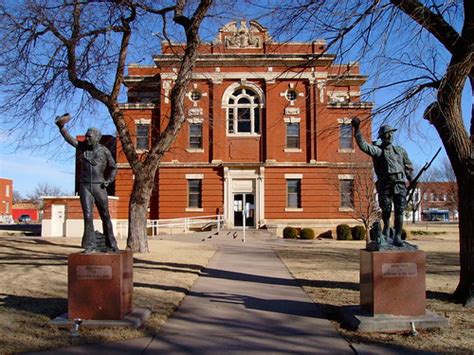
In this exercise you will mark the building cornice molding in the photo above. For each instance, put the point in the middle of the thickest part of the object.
(244, 165)
(359, 105)
(137, 106)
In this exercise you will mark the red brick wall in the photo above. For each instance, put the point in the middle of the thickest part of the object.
(73, 207)
(6, 184)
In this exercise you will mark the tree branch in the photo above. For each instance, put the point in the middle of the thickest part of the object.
(433, 23)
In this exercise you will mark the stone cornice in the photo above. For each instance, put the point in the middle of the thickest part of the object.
(137, 106)
(359, 105)
(253, 165)
(219, 76)
(350, 79)
(224, 60)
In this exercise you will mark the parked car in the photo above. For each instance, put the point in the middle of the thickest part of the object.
(24, 218)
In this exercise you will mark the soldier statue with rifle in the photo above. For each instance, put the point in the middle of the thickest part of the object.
(393, 169)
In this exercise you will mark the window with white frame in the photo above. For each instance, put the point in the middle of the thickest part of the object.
(7, 190)
(142, 128)
(293, 135)
(195, 135)
(293, 193)
(194, 193)
(345, 136)
(346, 192)
(243, 112)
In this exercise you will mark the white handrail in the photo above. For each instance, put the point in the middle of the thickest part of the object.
(157, 225)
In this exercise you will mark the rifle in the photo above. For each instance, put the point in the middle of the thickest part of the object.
(414, 182)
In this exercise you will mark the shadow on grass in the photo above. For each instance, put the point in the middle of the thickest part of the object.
(49, 307)
(166, 266)
(353, 286)
(160, 287)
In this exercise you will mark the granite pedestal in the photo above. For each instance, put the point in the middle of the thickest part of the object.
(100, 285)
(393, 282)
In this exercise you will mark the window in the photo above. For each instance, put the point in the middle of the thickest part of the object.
(346, 190)
(194, 193)
(345, 136)
(7, 190)
(293, 188)
(243, 112)
(291, 95)
(293, 135)
(7, 207)
(195, 135)
(195, 95)
(143, 131)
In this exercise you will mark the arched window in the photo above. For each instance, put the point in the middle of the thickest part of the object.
(243, 112)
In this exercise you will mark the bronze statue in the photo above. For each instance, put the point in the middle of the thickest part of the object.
(393, 169)
(98, 171)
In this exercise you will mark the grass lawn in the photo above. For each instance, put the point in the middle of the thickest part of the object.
(328, 270)
(33, 289)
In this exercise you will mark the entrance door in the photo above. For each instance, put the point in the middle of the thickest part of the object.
(247, 202)
(58, 217)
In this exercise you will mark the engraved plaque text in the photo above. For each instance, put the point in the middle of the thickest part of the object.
(93, 272)
(399, 270)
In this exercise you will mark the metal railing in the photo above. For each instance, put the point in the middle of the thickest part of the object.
(174, 225)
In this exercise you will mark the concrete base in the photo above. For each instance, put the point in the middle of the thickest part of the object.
(353, 318)
(134, 319)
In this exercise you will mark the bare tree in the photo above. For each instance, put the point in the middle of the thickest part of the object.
(365, 207)
(415, 202)
(423, 51)
(63, 51)
(17, 196)
(448, 175)
(45, 189)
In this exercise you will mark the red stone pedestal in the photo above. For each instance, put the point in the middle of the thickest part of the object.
(393, 282)
(100, 285)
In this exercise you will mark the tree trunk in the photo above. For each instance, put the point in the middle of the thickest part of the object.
(465, 289)
(138, 211)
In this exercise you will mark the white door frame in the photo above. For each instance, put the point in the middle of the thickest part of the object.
(58, 220)
(244, 181)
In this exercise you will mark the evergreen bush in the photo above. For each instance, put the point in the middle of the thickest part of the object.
(307, 233)
(290, 233)
(358, 233)
(343, 232)
(326, 235)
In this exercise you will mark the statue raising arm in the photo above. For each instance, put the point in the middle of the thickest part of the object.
(60, 121)
(370, 149)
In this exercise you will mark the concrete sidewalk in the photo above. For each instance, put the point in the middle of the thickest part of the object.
(245, 302)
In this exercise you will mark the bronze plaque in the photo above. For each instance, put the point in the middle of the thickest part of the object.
(93, 272)
(399, 270)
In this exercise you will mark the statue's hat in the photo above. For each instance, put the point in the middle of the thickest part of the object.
(384, 129)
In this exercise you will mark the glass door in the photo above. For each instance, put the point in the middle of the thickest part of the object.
(244, 201)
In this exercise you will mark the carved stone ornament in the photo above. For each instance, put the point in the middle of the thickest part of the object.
(242, 37)
(196, 111)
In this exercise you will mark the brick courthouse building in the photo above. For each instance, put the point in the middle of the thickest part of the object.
(267, 127)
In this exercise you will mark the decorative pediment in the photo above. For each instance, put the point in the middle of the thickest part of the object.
(240, 35)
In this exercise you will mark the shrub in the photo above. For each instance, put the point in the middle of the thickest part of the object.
(358, 233)
(307, 233)
(343, 232)
(290, 233)
(327, 234)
